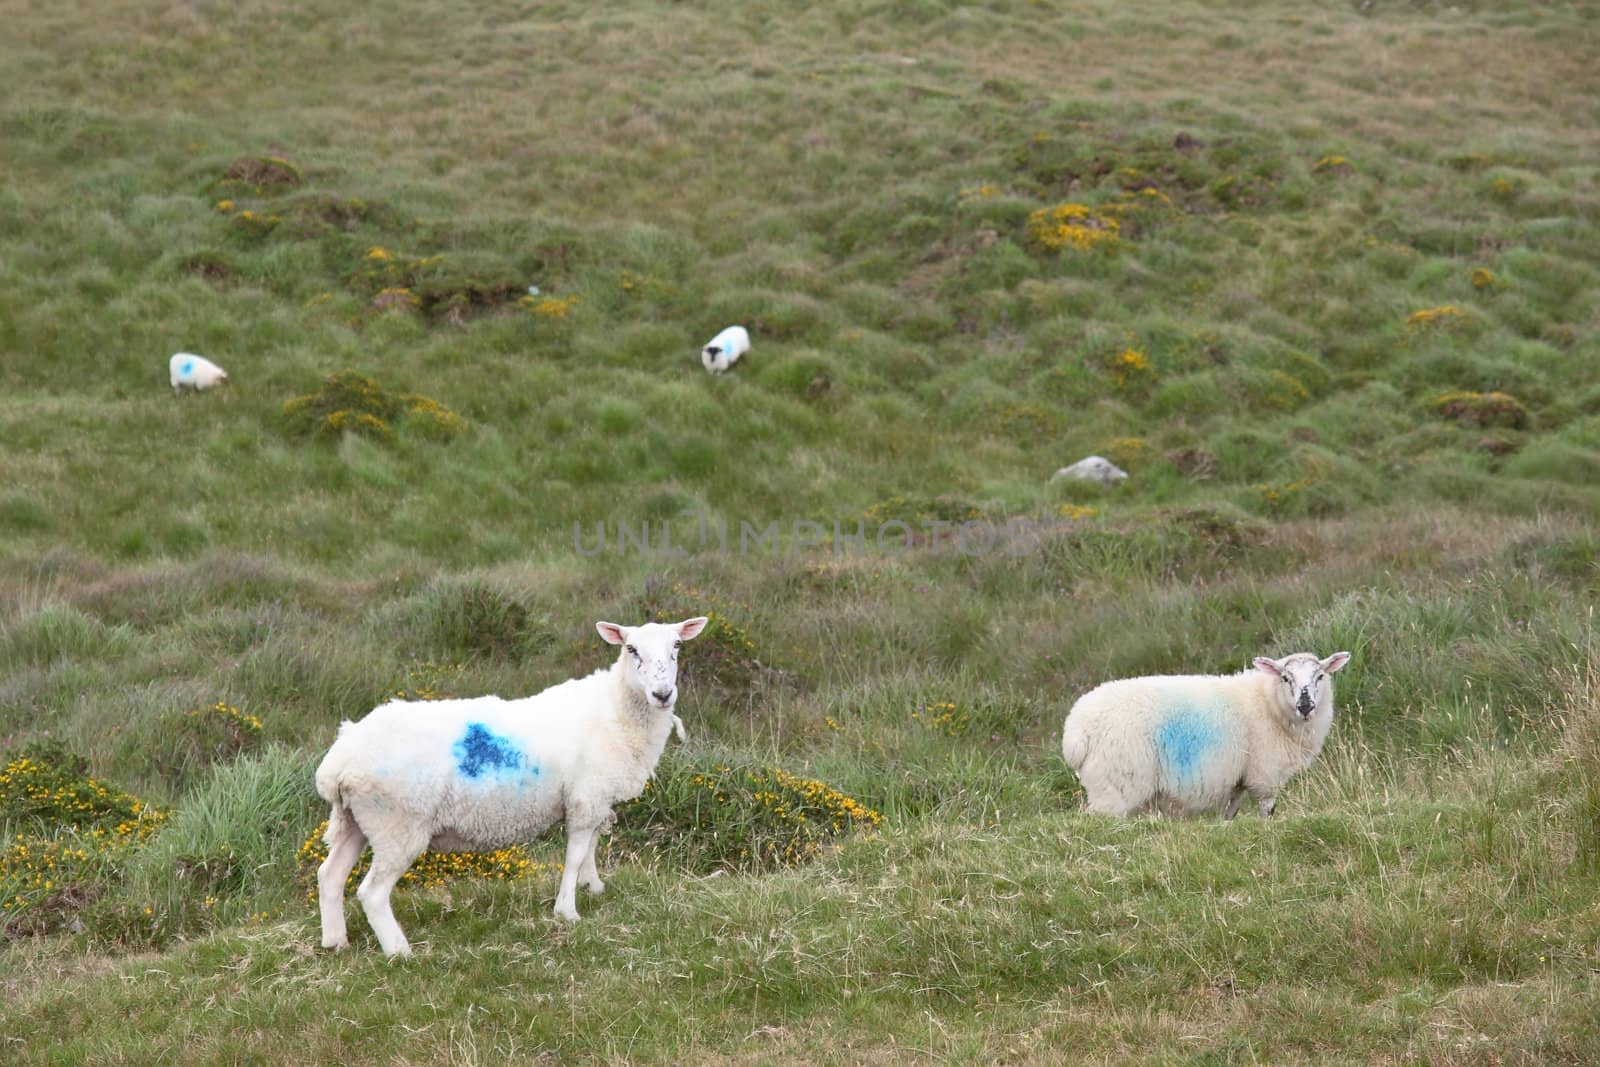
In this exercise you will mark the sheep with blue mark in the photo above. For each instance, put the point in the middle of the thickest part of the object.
(1189, 744)
(188, 371)
(484, 773)
(724, 350)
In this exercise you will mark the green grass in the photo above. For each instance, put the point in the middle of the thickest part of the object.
(1345, 342)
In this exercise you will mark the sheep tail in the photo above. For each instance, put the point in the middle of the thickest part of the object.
(329, 779)
(1074, 746)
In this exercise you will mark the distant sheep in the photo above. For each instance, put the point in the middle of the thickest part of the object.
(724, 350)
(1092, 469)
(484, 773)
(1187, 744)
(194, 372)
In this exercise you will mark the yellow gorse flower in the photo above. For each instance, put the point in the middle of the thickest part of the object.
(1445, 316)
(1073, 227)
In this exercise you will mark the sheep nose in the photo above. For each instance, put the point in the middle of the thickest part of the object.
(1306, 704)
(663, 696)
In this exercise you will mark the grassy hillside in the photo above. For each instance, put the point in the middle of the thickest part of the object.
(1323, 279)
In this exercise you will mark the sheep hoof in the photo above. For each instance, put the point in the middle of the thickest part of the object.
(335, 944)
(596, 887)
(568, 913)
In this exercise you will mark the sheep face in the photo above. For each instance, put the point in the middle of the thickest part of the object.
(649, 657)
(1304, 685)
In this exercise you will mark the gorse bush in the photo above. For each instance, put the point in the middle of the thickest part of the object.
(194, 740)
(431, 868)
(734, 815)
(46, 785)
(1073, 227)
(64, 838)
(348, 402)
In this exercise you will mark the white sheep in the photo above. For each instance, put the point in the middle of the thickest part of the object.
(724, 350)
(1092, 469)
(484, 773)
(195, 372)
(1185, 744)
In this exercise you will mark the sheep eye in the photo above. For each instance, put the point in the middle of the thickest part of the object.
(631, 650)
(677, 645)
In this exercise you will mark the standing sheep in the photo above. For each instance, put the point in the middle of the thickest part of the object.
(1185, 744)
(485, 773)
(187, 370)
(724, 350)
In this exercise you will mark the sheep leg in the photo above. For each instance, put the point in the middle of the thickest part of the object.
(390, 860)
(1266, 804)
(580, 842)
(588, 874)
(331, 875)
(1231, 808)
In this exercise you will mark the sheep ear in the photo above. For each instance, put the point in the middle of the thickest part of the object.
(691, 627)
(613, 633)
(1268, 666)
(1335, 661)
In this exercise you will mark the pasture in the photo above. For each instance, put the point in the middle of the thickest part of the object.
(1324, 279)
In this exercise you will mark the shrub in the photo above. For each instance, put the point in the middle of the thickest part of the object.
(348, 402)
(1129, 368)
(728, 816)
(431, 868)
(254, 224)
(1129, 453)
(194, 740)
(1444, 317)
(1072, 226)
(46, 785)
(263, 174)
(66, 838)
(1481, 409)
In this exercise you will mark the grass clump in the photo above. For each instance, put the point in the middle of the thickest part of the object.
(225, 856)
(1480, 409)
(264, 175)
(735, 815)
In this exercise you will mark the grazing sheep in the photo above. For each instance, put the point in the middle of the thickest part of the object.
(1092, 469)
(724, 350)
(1185, 744)
(196, 372)
(485, 773)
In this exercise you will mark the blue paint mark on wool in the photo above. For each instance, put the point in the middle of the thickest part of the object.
(187, 368)
(480, 750)
(1184, 741)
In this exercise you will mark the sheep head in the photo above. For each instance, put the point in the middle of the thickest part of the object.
(1305, 685)
(649, 659)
